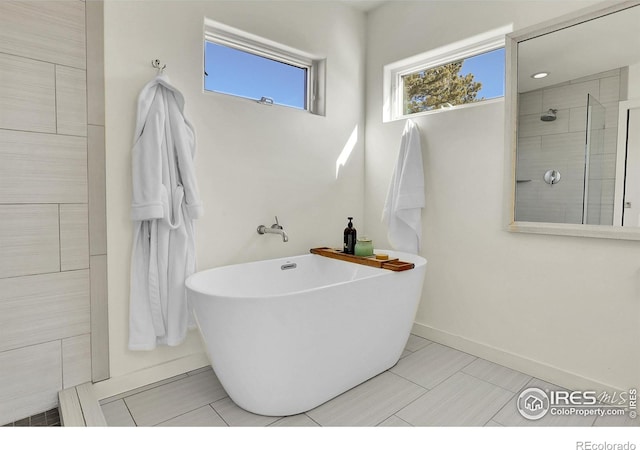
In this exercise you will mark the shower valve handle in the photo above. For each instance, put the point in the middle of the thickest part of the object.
(552, 177)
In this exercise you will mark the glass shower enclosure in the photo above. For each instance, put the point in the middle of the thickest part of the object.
(598, 184)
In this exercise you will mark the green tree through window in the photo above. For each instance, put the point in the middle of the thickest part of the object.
(439, 86)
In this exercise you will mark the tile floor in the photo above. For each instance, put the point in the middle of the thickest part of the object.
(432, 385)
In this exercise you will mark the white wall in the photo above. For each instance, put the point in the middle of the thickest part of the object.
(634, 81)
(566, 309)
(253, 161)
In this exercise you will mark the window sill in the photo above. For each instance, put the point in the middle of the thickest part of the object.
(441, 110)
(247, 100)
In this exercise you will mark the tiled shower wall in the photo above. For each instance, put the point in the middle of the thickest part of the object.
(560, 145)
(52, 202)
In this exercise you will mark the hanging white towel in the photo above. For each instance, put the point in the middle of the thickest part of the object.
(405, 198)
(165, 203)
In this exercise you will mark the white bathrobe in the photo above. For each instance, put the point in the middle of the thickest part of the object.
(402, 211)
(165, 204)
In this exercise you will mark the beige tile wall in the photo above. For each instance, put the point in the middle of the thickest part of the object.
(44, 31)
(76, 360)
(28, 94)
(74, 236)
(28, 240)
(71, 101)
(41, 308)
(42, 167)
(34, 379)
(52, 203)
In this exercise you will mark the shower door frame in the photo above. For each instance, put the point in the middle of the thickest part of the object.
(587, 155)
(621, 157)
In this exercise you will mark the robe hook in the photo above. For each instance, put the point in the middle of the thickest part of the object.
(157, 65)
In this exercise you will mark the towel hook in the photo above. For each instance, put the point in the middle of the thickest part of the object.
(156, 64)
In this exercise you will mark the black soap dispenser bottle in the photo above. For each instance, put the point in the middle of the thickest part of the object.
(349, 238)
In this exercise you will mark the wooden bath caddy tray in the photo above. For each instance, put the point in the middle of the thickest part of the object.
(390, 264)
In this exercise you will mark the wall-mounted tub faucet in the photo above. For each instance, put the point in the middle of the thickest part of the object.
(276, 228)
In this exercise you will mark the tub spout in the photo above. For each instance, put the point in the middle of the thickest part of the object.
(276, 228)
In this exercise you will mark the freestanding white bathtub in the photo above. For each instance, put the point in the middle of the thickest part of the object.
(286, 335)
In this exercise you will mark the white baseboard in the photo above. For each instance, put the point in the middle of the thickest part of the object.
(537, 369)
(118, 385)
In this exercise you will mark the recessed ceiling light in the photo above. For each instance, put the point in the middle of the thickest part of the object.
(539, 75)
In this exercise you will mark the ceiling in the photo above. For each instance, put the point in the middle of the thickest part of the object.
(599, 45)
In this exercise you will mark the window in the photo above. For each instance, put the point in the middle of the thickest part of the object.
(238, 63)
(231, 71)
(463, 73)
(460, 82)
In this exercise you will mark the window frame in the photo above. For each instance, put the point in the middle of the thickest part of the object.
(225, 35)
(393, 87)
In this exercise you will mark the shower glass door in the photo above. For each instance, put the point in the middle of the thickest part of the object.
(598, 188)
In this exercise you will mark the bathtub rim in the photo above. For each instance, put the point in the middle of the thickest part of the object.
(417, 260)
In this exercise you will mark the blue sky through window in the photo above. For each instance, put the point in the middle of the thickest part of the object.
(487, 68)
(235, 72)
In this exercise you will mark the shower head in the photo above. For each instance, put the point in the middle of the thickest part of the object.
(549, 116)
